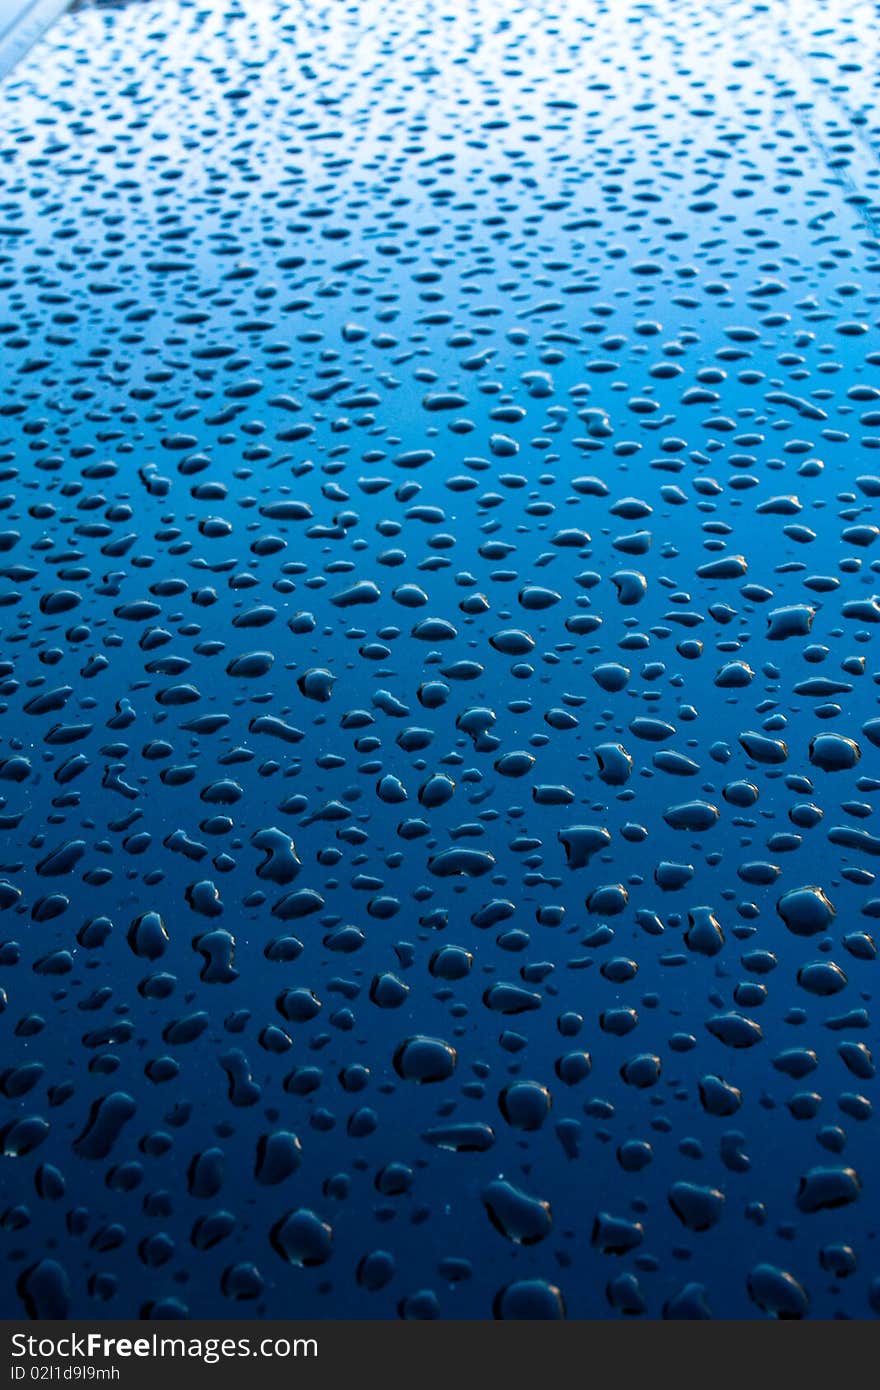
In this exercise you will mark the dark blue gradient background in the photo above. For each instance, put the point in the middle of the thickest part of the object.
(507, 298)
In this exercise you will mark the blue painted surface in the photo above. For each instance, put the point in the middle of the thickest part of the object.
(21, 25)
(397, 408)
